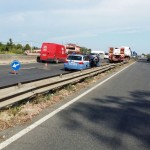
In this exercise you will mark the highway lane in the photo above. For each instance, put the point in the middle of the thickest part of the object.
(30, 72)
(114, 116)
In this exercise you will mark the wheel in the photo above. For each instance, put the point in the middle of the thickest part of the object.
(65, 69)
(38, 59)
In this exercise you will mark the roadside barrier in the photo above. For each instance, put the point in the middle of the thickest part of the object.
(21, 91)
(8, 58)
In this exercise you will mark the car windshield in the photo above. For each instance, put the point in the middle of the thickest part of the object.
(74, 57)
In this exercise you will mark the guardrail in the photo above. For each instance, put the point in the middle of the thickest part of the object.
(21, 91)
(8, 58)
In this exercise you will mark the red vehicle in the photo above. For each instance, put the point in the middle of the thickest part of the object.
(52, 52)
(119, 54)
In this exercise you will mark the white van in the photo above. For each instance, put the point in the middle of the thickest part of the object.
(100, 53)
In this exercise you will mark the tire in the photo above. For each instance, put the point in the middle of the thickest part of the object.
(65, 69)
(38, 59)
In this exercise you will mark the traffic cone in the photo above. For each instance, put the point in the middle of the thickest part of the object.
(46, 65)
(13, 72)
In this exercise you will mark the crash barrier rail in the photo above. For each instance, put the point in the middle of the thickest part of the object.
(21, 91)
(8, 58)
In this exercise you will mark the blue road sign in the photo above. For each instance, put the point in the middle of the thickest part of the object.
(15, 65)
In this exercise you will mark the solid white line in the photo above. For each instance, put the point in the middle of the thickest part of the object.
(37, 123)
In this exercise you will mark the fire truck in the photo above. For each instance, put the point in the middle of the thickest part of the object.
(119, 54)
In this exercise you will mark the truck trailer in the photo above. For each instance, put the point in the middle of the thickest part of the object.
(52, 52)
(119, 54)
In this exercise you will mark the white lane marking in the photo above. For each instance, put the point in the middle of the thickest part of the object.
(28, 68)
(37, 123)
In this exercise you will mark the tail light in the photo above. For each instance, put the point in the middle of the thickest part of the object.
(81, 63)
(122, 51)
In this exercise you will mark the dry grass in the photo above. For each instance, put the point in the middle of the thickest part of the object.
(21, 114)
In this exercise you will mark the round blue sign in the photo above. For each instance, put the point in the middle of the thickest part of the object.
(15, 65)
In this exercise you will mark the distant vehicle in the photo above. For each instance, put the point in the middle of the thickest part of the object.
(97, 52)
(52, 52)
(134, 54)
(77, 62)
(119, 54)
(148, 57)
(106, 56)
(34, 52)
(94, 60)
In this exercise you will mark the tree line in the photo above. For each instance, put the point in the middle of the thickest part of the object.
(12, 48)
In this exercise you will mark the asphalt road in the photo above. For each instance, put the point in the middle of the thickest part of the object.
(30, 72)
(114, 116)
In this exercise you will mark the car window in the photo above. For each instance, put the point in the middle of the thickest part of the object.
(86, 58)
(74, 58)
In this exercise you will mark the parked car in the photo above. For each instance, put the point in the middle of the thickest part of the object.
(94, 60)
(77, 62)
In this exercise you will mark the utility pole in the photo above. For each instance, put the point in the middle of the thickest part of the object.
(31, 47)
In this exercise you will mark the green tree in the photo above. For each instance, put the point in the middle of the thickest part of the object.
(10, 42)
(2, 48)
(148, 55)
(9, 45)
(19, 46)
(27, 47)
(85, 50)
(34, 47)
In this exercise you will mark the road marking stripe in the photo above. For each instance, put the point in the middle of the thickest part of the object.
(28, 68)
(37, 123)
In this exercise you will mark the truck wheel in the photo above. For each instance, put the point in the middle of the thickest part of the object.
(38, 59)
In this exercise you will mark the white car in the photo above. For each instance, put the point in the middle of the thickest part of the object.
(106, 56)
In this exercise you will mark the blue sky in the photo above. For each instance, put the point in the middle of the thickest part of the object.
(95, 24)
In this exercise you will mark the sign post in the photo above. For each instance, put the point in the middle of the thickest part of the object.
(15, 66)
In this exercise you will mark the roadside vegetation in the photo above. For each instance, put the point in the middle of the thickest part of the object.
(12, 48)
(148, 55)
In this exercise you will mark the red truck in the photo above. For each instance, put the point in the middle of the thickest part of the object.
(52, 52)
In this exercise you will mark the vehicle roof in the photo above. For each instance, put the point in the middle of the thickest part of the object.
(76, 55)
(47, 43)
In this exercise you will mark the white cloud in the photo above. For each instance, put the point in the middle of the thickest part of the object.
(103, 13)
(73, 19)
